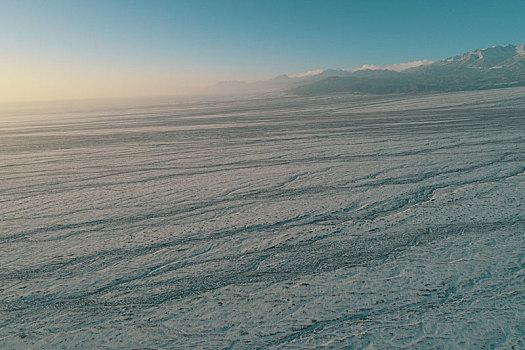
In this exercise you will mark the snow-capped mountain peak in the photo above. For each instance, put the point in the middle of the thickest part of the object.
(520, 50)
(488, 58)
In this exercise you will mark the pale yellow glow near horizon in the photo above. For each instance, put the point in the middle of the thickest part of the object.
(24, 81)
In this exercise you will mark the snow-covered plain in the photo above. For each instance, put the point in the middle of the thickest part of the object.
(339, 221)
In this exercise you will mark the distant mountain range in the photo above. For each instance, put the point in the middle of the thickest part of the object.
(280, 83)
(494, 67)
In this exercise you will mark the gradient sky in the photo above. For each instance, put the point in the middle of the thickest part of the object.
(85, 49)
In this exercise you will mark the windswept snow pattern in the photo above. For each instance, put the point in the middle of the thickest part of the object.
(337, 221)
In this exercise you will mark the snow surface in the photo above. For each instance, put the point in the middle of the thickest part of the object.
(339, 221)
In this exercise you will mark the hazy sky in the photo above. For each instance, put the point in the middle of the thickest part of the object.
(83, 49)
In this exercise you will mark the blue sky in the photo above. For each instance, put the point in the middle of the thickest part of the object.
(183, 45)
